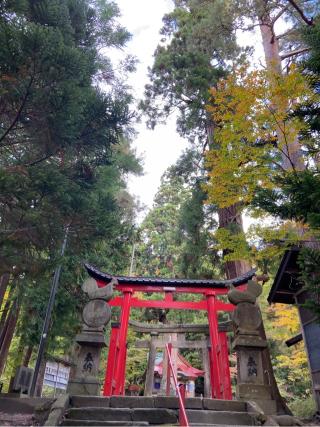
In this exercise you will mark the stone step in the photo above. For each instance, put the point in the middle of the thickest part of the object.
(157, 402)
(196, 417)
(154, 416)
(74, 422)
(149, 415)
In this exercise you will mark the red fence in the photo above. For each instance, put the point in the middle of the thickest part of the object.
(183, 420)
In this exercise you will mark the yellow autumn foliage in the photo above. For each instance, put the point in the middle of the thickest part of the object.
(284, 325)
(235, 244)
(249, 110)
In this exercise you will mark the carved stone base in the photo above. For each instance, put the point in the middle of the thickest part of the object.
(252, 384)
(251, 379)
(88, 385)
(248, 341)
(253, 392)
(90, 343)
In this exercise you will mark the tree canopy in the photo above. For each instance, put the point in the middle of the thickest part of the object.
(64, 157)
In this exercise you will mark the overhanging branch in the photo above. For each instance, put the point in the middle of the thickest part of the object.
(279, 14)
(300, 12)
(294, 52)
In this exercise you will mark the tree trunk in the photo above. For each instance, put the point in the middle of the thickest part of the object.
(27, 356)
(232, 217)
(3, 320)
(292, 158)
(40, 378)
(17, 357)
(4, 280)
(16, 360)
(10, 327)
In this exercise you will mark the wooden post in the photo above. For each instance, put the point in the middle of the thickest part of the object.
(225, 368)
(122, 344)
(215, 365)
(151, 362)
(108, 382)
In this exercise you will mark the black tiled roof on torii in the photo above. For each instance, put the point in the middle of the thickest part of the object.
(158, 281)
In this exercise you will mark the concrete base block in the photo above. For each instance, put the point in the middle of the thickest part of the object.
(88, 386)
(253, 392)
(91, 338)
(248, 341)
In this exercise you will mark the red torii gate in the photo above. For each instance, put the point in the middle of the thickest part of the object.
(210, 289)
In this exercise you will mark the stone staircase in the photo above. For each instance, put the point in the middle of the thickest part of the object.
(160, 410)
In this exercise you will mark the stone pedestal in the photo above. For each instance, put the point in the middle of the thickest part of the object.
(250, 376)
(249, 346)
(90, 344)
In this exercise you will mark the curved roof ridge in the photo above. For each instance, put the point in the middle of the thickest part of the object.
(158, 281)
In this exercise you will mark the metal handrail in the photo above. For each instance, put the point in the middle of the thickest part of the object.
(183, 420)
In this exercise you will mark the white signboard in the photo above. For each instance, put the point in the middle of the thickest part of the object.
(56, 375)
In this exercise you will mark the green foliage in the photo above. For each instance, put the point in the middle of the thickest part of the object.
(192, 40)
(290, 365)
(309, 274)
(311, 64)
(64, 155)
(194, 233)
(136, 362)
(303, 408)
(176, 239)
(158, 253)
(296, 197)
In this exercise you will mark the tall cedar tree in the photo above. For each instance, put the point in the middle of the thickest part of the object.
(59, 161)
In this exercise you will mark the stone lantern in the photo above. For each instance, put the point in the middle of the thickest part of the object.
(91, 340)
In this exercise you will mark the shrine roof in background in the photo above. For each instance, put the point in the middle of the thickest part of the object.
(286, 282)
(184, 368)
(158, 281)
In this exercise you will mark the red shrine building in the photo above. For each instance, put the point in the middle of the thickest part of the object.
(186, 374)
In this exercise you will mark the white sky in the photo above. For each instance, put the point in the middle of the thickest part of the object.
(159, 148)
